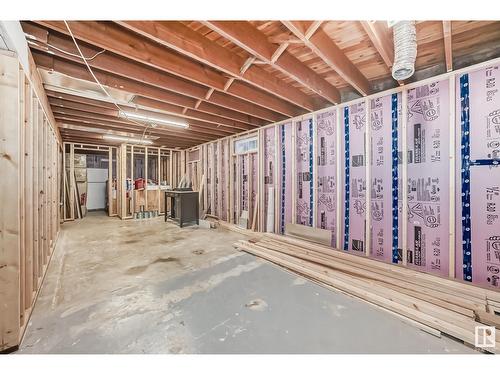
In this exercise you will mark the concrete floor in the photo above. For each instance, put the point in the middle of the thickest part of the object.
(150, 287)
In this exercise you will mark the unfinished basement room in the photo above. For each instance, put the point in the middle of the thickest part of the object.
(249, 185)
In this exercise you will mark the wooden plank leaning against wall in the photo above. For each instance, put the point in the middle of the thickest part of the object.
(29, 198)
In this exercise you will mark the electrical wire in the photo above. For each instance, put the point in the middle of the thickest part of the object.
(73, 54)
(103, 88)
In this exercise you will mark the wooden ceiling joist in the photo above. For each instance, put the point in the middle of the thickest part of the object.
(448, 51)
(195, 128)
(381, 37)
(114, 38)
(326, 49)
(184, 40)
(251, 39)
(79, 71)
(127, 69)
(107, 124)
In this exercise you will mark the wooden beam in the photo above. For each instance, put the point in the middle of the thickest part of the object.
(223, 121)
(96, 106)
(187, 41)
(128, 69)
(80, 72)
(381, 38)
(248, 37)
(448, 50)
(91, 118)
(325, 48)
(110, 36)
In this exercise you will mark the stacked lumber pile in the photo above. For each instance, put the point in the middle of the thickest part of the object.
(435, 304)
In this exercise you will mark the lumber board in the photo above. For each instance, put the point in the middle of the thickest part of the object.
(440, 321)
(457, 286)
(317, 235)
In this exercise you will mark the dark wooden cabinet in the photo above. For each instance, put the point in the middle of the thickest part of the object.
(184, 206)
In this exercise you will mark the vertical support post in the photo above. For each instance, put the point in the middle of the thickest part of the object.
(145, 171)
(294, 171)
(315, 171)
(340, 158)
(71, 179)
(261, 186)
(368, 163)
(158, 180)
(110, 182)
(452, 157)
(171, 171)
(276, 180)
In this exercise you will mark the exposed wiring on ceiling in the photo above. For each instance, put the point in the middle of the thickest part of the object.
(73, 54)
(151, 124)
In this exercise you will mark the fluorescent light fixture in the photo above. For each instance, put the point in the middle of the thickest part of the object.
(127, 139)
(147, 118)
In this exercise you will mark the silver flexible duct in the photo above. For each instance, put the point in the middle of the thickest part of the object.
(405, 50)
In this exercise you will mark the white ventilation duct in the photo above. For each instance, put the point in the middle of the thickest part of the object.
(405, 50)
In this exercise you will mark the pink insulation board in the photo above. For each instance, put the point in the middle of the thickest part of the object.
(285, 175)
(269, 161)
(304, 172)
(477, 228)
(428, 134)
(385, 124)
(326, 180)
(354, 210)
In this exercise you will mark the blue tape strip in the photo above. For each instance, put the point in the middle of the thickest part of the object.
(394, 135)
(311, 182)
(465, 177)
(283, 176)
(347, 178)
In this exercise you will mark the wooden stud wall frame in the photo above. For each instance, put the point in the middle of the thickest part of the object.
(69, 203)
(30, 196)
(234, 187)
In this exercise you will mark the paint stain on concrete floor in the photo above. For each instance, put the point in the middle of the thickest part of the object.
(151, 287)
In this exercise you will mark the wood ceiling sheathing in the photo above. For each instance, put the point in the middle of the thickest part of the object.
(472, 42)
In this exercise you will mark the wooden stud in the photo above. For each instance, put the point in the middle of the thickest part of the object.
(452, 158)
(368, 174)
(448, 49)
(9, 202)
(404, 141)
